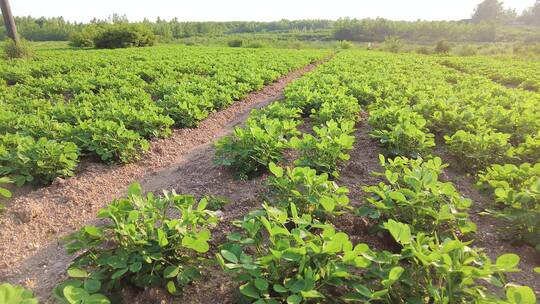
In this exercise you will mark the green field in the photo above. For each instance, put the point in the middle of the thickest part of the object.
(415, 235)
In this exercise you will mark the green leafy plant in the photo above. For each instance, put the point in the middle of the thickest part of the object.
(25, 159)
(5, 193)
(12, 294)
(478, 150)
(295, 265)
(414, 195)
(249, 150)
(342, 108)
(401, 131)
(109, 140)
(449, 271)
(326, 150)
(310, 192)
(517, 194)
(145, 245)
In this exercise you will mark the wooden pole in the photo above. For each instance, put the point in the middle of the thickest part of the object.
(9, 21)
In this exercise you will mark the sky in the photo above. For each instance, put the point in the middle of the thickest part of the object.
(246, 10)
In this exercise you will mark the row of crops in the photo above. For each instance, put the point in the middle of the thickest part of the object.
(510, 72)
(493, 131)
(291, 249)
(61, 106)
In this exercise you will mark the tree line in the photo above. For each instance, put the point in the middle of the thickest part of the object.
(489, 22)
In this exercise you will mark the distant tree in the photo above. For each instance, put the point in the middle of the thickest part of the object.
(531, 16)
(493, 11)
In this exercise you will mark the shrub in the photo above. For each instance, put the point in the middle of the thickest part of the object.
(12, 51)
(393, 44)
(82, 39)
(424, 50)
(345, 45)
(235, 43)
(144, 244)
(123, 36)
(467, 50)
(255, 44)
(443, 47)
(26, 160)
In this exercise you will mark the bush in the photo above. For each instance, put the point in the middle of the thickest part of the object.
(123, 36)
(82, 39)
(23, 50)
(443, 47)
(424, 50)
(393, 44)
(467, 50)
(345, 45)
(255, 45)
(235, 43)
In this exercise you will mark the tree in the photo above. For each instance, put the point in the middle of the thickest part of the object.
(493, 11)
(531, 16)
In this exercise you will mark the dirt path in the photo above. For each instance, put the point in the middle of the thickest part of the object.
(32, 227)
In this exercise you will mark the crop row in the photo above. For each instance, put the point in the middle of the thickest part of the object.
(291, 250)
(491, 130)
(510, 72)
(107, 104)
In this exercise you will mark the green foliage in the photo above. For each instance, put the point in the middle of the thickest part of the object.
(41, 161)
(414, 195)
(478, 150)
(13, 51)
(295, 265)
(106, 102)
(400, 131)
(345, 45)
(109, 140)
(393, 44)
(249, 150)
(449, 271)
(143, 245)
(443, 47)
(517, 194)
(235, 43)
(341, 108)
(310, 192)
(123, 36)
(326, 150)
(12, 294)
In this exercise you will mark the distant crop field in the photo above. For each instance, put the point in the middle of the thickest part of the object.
(66, 103)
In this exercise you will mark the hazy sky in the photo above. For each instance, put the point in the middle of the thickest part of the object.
(268, 10)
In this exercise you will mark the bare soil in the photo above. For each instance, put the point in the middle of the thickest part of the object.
(32, 227)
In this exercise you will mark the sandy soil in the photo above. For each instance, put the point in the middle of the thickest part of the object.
(31, 252)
